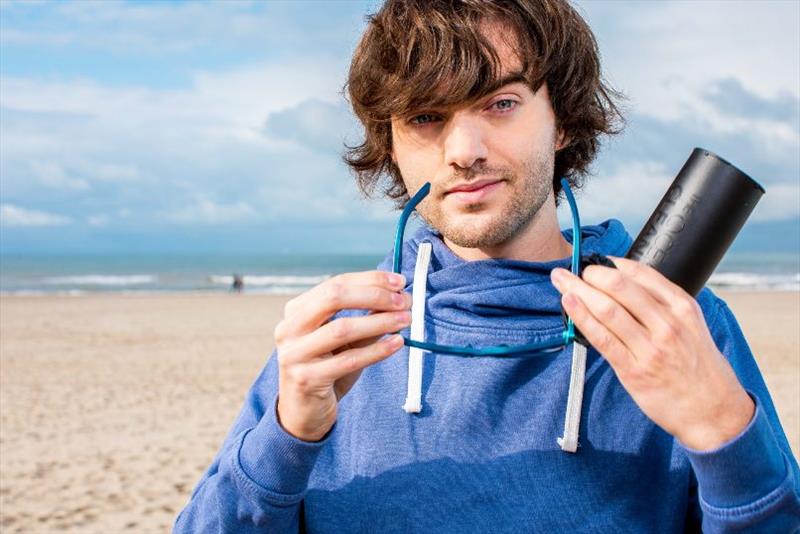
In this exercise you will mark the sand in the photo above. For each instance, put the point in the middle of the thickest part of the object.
(112, 406)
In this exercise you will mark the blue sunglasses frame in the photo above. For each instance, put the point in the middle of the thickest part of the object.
(547, 346)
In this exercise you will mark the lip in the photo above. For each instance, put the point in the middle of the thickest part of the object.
(473, 191)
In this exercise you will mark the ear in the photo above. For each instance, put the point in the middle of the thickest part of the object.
(562, 141)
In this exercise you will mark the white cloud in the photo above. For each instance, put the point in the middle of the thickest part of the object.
(632, 191)
(53, 175)
(314, 124)
(206, 211)
(99, 220)
(781, 201)
(138, 152)
(148, 148)
(11, 215)
(664, 53)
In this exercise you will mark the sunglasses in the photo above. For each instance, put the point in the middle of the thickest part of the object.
(552, 344)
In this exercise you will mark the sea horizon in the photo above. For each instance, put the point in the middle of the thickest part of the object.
(282, 274)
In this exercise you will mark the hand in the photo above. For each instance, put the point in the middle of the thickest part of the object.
(654, 336)
(319, 360)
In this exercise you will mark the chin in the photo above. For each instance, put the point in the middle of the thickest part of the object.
(474, 231)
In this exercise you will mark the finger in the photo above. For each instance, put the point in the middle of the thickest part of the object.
(653, 281)
(612, 349)
(327, 299)
(391, 281)
(350, 361)
(685, 309)
(343, 332)
(605, 310)
(648, 310)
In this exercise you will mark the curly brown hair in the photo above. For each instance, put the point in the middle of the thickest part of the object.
(419, 54)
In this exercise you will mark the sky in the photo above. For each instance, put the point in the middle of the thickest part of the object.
(178, 126)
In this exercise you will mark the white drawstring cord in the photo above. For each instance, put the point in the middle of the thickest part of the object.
(413, 404)
(414, 395)
(572, 418)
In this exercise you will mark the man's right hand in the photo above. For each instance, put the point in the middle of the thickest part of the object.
(319, 360)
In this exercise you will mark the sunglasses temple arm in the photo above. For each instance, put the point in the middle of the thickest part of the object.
(569, 333)
(401, 225)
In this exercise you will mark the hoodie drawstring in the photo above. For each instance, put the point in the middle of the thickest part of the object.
(413, 404)
(414, 396)
(572, 419)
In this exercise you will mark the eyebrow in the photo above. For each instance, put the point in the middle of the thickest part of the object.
(514, 77)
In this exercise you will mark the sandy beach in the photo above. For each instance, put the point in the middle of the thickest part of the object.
(113, 405)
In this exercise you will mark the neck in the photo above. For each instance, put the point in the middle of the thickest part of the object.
(540, 240)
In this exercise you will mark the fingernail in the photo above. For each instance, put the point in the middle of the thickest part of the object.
(395, 341)
(557, 275)
(398, 299)
(403, 318)
(397, 280)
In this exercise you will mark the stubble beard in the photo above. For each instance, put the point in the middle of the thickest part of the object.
(527, 194)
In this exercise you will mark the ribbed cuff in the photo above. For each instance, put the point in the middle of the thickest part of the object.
(276, 460)
(743, 470)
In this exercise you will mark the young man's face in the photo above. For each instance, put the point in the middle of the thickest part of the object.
(490, 162)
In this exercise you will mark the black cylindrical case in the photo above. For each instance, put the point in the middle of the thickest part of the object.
(697, 220)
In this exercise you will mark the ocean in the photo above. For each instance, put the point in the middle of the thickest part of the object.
(33, 274)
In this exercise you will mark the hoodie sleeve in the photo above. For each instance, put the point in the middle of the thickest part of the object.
(257, 481)
(752, 482)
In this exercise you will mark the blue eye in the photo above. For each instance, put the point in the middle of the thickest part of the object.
(425, 118)
(505, 104)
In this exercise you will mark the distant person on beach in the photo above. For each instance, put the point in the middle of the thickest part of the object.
(660, 423)
(238, 283)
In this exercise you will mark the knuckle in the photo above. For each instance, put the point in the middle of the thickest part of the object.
(667, 333)
(604, 341)
(334, 293)
(649, 373)
(286, 357)
(637, 375)
(301, 378)
(636, 268)
(615, 281)
(341, 328)
(351, 362)
(686, 307)
(655, 355)
(606, 312)
(280, 332)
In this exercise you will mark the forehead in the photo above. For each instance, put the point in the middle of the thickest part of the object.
(505, 43)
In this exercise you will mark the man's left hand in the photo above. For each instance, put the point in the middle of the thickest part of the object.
(654, 336)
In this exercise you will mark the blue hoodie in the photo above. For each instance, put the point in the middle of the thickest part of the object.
(482, 455)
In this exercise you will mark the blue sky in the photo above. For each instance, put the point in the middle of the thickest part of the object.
(217, 126)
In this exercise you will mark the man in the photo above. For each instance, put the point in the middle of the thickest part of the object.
(492, 102)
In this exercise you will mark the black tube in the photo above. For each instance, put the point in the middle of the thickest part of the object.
(697, 220)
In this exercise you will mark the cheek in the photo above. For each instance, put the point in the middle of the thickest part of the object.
(512, 150)
(417, 165)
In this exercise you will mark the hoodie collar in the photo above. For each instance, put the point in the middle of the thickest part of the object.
(505, 296)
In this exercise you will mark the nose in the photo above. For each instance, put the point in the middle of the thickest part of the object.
(464, 144)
